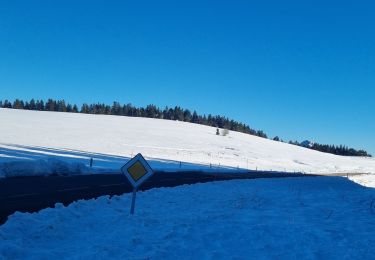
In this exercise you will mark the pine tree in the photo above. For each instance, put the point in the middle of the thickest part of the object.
(194, 118)
(32, 104)
(18, 104)
(60, 106)
(116, 108)
(187, 115)
(85, 109)
(75, 109)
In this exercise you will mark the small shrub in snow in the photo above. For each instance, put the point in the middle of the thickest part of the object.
(224, 132)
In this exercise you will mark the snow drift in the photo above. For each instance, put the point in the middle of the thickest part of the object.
(38, 167)
(291, 218)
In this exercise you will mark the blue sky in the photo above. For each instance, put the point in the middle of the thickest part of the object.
(297, 69)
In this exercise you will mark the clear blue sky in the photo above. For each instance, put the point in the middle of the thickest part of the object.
(297, 69)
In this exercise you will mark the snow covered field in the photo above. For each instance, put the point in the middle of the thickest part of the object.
(313, 218)
(291, 218)
(33, 142)
(367, 180)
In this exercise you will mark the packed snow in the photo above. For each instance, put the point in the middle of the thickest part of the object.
(290, 218)
(45, 141)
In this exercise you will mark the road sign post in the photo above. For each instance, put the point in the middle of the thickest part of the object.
(137, 171)
(133, 201)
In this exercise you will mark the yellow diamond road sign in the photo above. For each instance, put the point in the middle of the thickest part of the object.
(137, 170)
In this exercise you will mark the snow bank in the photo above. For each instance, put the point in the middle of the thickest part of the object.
(296, 218)
(367, 180)
(41, 167)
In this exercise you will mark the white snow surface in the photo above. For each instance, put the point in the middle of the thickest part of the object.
(44, 138)
(290, 218)
(367, 180)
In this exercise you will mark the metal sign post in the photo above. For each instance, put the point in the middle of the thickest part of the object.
(137, 171)
(133, 201)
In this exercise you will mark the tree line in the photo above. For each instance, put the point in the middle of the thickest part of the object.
(335, 149)
(150, 111)
(169, 113)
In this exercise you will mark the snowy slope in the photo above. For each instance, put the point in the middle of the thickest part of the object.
(46, 138)
(292, 218)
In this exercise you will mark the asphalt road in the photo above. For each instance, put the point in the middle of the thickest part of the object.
(31, 194)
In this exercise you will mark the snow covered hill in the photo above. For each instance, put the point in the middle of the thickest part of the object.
(291, 218)
(308, 218)
(33, 142)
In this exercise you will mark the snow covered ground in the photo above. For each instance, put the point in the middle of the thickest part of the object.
(367, 180)
(309, 218)
(291, 218)
(44, 141)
